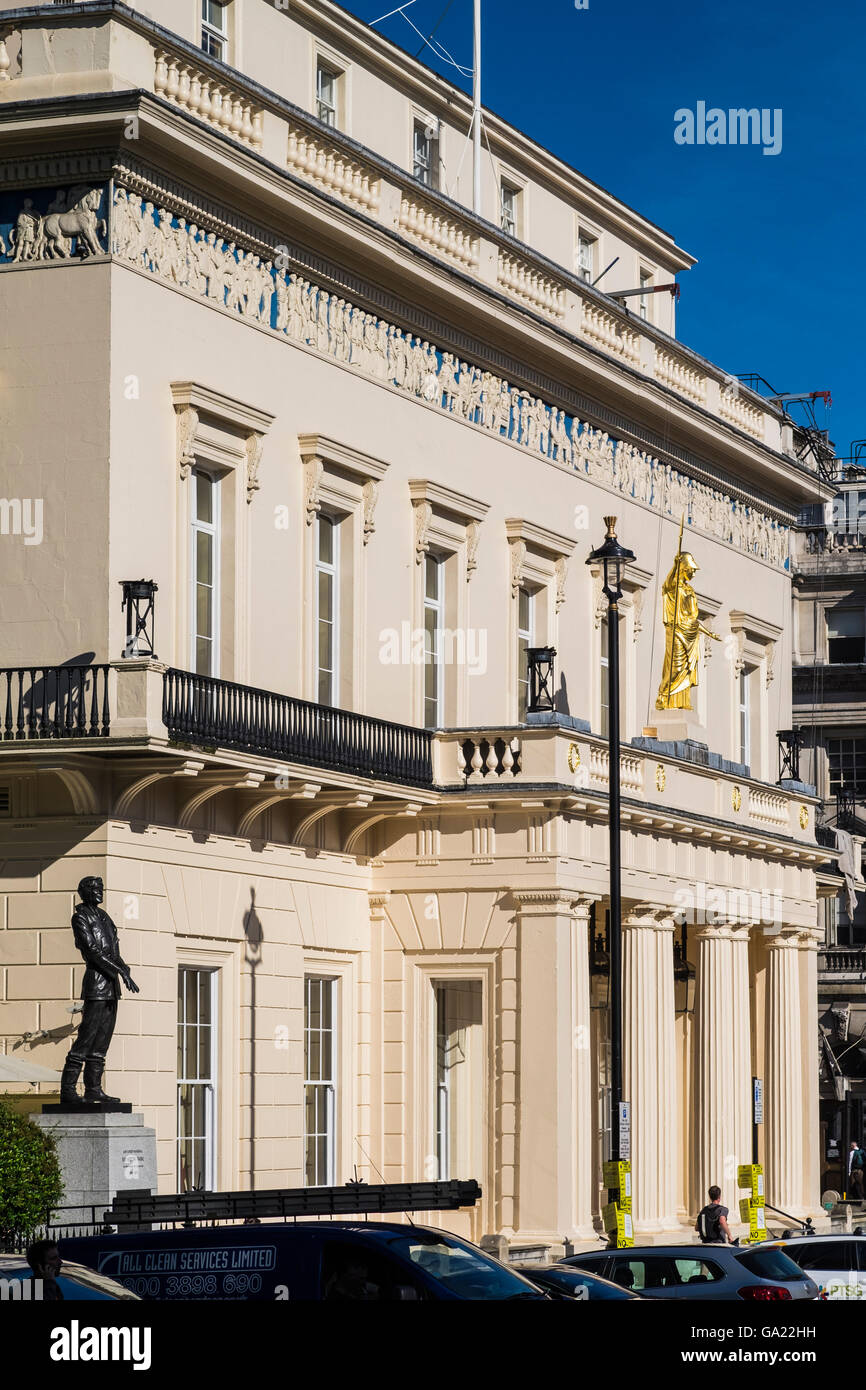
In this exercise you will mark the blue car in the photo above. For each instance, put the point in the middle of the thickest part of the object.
(75, 1282)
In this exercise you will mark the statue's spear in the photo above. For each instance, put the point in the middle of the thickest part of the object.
(676, 605)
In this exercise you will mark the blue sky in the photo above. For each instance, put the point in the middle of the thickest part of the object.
(780, 284)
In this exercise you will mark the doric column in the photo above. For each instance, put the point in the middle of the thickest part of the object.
(784, 1066)
(715, 1149)
(649, 1064)
(555, 1082)
(741, 1052)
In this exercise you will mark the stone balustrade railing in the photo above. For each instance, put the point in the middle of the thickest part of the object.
(537, 290)
(764, 806)
(323, 163)
(268, 123)
(630, 771)
(672, 371)
(739, 412)
(608, 333)
(193, 89)
(826, 542)
(489, 756)
(442, 235)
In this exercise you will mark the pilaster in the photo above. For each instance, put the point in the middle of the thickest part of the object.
(555, 1085)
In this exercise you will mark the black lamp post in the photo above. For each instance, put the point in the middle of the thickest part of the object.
(613, 558)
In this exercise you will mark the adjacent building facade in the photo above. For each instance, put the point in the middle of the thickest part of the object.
(258, 351)
(829, 571)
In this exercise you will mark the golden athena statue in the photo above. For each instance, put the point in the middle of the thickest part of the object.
(682, 632)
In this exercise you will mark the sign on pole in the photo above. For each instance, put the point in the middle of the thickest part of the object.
(758, 1100)
(624, 1129)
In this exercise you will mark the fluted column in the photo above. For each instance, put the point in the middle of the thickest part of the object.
(811, 1193)
(714, 1034)
(584, 1089)
(554, 1186)
(649, 1064)
(723, 1060)
(741, 1053)
(784, 1066)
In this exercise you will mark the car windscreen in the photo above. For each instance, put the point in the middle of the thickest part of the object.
(824, 1254)
(771, 1264)
(466, 1272)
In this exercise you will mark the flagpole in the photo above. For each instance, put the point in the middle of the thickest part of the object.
(476, 115)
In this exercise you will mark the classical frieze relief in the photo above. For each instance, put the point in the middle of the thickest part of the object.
(59, 225)
(247, 280)
(249, 285)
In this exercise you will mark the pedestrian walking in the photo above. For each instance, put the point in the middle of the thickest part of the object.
(712, 1223)
(856, 1171)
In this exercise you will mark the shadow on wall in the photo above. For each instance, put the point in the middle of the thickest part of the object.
(254, 935)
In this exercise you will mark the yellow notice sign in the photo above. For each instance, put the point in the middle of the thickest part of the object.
(751, 1175)
(618, 1221)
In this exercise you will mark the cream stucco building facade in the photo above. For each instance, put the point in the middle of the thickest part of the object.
(255, 347)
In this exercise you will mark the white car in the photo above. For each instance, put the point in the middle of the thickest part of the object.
(836, 1262)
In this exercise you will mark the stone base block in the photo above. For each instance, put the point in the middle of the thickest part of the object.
(102, 1152)
(676, 726)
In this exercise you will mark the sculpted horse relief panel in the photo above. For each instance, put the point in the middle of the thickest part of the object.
(71, 225)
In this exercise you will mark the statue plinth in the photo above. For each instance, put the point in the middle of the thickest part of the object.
(103, 1149)
(89, 1107)
(676, 726)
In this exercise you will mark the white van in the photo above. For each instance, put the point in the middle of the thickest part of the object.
(836, 1262)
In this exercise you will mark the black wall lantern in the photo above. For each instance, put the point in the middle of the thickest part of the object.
(138, 603)
(846, 802)
(790, 743)
(540, 663)
(684, 978)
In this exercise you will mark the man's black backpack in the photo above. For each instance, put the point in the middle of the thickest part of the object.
(710, 1224)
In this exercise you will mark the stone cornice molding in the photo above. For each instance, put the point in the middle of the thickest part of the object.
(192, 402)
(336, 455)
(445, 499)
(756, 628)
(539, 538)
(322, 457)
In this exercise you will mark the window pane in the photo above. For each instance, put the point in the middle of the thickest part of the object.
(523, 607)
(203, 611)
(432, 578)
(204, 557)
(204, 490)
(326, 540)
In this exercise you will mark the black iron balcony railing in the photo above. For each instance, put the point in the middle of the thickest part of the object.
(205, 710)
(45, 702)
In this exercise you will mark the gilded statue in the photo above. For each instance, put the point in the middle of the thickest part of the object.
(683, 630)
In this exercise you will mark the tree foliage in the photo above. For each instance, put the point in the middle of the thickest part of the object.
(30, 1181)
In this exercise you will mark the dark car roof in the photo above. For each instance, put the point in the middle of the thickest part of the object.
(380, 1229)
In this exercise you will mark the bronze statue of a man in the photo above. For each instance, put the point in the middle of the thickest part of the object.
(96, 938)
